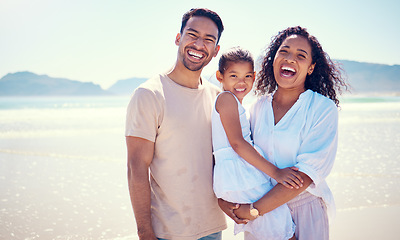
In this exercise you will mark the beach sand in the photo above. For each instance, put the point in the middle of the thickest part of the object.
(63, 174)
(44, 197)
(367, 223)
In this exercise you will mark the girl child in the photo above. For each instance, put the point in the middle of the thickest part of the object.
(241, 174)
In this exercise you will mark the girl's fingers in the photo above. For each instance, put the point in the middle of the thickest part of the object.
(297, 182)
(286, 184)
(293, 183)
(298, 176)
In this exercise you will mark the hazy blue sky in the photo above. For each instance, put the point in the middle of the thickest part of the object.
(103, 41)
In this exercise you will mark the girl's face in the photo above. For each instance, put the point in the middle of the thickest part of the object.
(293, 62)
(238, 78)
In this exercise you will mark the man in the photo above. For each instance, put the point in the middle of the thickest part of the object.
(168, 130)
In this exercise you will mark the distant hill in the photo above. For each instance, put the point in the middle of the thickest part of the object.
(372, 78)
(31, 84)
(126, 86)
(363, 77)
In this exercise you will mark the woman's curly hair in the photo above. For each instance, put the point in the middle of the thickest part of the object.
(326, 78)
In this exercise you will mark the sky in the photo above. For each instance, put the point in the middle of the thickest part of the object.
(103, 41)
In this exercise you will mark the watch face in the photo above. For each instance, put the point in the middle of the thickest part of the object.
(254, 212)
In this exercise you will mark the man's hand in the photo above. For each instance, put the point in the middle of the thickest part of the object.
(146, 234)
(228, 208)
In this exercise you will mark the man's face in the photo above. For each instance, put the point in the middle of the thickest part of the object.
(197, 43)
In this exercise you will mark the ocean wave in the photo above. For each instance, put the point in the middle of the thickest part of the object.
(23, 133)
(363, 175)
(59, 156)
(348, 209)
(54, 102)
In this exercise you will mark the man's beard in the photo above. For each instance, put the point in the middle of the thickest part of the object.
(193, 67)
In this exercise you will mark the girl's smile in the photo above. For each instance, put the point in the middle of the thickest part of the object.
(238, 78)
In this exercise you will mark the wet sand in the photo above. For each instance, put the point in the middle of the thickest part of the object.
(367, 223)
(54, 198)
(63, 174)
(43, 197)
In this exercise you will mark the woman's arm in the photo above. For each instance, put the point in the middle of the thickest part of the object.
(226, 106)
(276, 197)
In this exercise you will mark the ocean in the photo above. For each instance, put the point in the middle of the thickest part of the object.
(63, 164)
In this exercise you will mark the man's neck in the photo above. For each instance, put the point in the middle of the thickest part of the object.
(185, 77)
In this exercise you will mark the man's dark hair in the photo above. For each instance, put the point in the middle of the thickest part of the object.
(203, 12)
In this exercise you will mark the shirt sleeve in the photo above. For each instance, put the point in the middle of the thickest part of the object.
(143, 115)
(318, 149)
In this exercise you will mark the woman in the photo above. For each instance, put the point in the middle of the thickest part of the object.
(295, 122)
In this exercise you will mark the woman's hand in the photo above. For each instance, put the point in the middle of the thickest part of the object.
(289, 177)
(228, 208)
(243, 212)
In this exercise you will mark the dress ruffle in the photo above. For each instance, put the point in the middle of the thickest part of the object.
(229, 171)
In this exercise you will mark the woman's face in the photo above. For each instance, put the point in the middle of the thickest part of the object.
(293, 62)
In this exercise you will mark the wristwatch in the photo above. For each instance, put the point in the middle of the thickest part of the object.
(253, 211)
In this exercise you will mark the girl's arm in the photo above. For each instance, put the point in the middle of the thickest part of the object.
(226, 106)
(315, 160)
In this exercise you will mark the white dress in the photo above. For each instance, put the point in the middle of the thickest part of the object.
(237, 181)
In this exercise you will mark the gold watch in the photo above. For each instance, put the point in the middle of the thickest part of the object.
(253, 211)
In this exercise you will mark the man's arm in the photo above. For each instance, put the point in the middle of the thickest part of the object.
(140, 155)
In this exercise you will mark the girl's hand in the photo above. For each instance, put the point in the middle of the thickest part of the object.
(289, 177)
(228, 208)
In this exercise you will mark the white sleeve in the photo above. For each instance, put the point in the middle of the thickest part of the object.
(318, 149)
